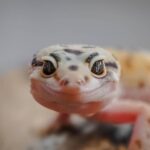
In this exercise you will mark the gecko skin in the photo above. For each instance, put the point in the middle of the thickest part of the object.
(103, 84)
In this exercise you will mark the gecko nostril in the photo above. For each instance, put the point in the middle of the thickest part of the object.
(64, 82)
(80, 82)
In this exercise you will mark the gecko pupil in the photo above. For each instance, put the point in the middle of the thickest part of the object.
(98, 67)
(48, 68)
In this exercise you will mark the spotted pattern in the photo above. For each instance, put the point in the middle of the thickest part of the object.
(55, 56)
(75, 52)
(111, 64)
(73, 67)
(68, 58)
(88, 60)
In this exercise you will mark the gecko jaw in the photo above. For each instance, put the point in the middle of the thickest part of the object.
(71, 95)
(83, 103)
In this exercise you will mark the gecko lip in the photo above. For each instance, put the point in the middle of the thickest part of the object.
(74, 91)
(67, 91)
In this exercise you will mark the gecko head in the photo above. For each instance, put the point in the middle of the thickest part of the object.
(71, 75)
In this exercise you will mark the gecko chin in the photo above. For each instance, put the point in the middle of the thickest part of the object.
(71, 100)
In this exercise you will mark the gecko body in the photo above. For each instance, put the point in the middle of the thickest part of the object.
(102, 84)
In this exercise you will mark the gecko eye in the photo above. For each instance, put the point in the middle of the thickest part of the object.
(48, 69)
(98, 68)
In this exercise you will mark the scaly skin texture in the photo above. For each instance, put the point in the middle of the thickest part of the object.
(86, 80)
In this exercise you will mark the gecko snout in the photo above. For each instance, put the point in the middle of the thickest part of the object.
(74, 82)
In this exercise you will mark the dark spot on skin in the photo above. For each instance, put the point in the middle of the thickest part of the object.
(36, 63)
(86, 78)
(73, 67)
(90, 57)
(68, 58)
(55, 56)
(141, 84)
(138, 143)
(75, 52)
(111, 64)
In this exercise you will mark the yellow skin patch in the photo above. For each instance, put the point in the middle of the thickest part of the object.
(135, 67)
(86, 80)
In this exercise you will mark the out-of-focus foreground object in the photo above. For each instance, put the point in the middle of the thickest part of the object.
(21, 118)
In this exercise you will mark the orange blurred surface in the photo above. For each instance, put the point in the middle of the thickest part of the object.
(20, 115)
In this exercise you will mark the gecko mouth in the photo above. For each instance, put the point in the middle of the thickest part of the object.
(72, 91)
(78, 93)
(72, 94)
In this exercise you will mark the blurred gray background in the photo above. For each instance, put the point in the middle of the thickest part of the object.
(29, 25)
